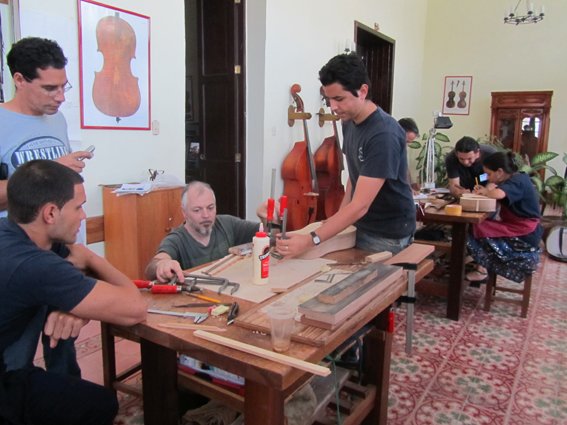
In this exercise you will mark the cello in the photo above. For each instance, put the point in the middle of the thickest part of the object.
(329, 167)
(115, 89)
(299, 175)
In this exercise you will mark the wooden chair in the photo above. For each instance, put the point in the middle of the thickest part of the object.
(492, 287)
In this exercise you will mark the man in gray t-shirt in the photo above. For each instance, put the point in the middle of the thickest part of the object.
(32, 126)
(204, 236)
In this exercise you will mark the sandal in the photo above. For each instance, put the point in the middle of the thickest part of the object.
(476, 276)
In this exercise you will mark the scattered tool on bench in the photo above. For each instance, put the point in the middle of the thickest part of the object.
(197, 317)
(156, 287)
(232, 313)
(192, 280)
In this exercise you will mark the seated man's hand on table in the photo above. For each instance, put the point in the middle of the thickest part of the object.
(167, 268)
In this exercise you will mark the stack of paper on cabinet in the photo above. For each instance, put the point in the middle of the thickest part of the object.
(340, 301)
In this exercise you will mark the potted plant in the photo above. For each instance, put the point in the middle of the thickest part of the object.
(553, 189)
(441, 150)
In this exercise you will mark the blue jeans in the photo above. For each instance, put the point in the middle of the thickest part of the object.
(61, 359)
(378, 244)
(34, 396)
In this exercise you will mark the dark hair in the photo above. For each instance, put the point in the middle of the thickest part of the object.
(346, 69)
(467, 144)
(408, 124)
(504, 160)
(36, 183)
(31, 53)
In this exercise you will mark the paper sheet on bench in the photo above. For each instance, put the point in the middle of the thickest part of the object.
(283, 274)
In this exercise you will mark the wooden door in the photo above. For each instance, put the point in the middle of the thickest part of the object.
(220, 102)
(377, 52)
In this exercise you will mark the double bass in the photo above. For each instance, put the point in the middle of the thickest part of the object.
(329, 166)
(115, 90)
(299, 175)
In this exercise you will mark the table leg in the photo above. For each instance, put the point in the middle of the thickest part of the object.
(108, 356)
(263, 405)
(457, 269)
(376, 368)
(159, 383)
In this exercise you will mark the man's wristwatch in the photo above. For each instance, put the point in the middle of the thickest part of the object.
(316, 239)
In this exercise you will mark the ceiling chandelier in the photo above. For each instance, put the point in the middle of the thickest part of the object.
(531, 17)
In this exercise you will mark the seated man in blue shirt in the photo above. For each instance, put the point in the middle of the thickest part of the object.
(41, 266)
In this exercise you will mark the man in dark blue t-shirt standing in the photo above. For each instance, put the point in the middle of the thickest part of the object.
(378, 199)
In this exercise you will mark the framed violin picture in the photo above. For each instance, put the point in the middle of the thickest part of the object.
(114, 67)
(457, 95)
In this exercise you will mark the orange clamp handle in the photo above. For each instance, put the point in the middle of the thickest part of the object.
(141, 284)
(165, 289)
(270, 210)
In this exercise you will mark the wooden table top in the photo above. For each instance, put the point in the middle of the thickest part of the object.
(247, 365)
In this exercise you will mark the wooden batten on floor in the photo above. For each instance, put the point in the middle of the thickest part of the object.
(95, 229)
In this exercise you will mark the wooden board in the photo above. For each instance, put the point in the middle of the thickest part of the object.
(339, 291)
(256, 318)
(477, 203)
(413, 254)
(283, 274)
(337, 313)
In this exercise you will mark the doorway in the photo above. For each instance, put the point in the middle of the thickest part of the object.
(377, 51)
(214, 108)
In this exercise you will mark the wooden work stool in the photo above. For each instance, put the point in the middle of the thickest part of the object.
(492, 287)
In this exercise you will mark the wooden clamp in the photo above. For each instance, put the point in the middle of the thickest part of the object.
(325, 117)
(293, 115)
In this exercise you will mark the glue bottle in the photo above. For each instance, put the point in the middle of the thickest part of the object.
(261, 256)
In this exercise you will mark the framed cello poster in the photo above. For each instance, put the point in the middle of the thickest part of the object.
(457, 95)
(114, 67)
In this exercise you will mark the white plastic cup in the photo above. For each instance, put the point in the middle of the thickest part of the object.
(282, 324)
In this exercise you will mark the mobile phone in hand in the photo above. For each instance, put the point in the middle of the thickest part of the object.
(90, 149)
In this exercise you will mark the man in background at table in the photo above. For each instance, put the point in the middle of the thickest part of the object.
(42, 266)
(203, 237)
(34, 128)
(378, 199)
(464, 165)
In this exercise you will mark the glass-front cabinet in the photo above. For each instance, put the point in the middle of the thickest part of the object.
(520, 120)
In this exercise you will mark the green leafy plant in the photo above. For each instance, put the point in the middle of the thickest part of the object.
(441, 151)
(553, 189)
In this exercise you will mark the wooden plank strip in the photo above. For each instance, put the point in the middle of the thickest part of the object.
(266, 354)
(95, 229)
(189, 326)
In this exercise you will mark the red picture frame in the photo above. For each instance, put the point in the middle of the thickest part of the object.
(457, 95)
(114, 67)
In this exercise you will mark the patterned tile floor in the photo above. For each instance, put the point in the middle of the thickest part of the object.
(488, 368)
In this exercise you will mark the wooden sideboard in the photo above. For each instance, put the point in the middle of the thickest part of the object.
(520, 120)
(134, 226)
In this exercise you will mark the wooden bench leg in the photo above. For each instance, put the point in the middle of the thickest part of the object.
(526, 295)
(490, 287)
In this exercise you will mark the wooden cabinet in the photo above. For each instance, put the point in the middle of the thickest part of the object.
(134, 226)
(520, 120)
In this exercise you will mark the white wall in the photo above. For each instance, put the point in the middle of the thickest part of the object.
(300, 38)
(288, 42)
(125, 155)
(469, 38)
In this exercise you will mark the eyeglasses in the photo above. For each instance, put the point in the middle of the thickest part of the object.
(154, 173)
(51, 90)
